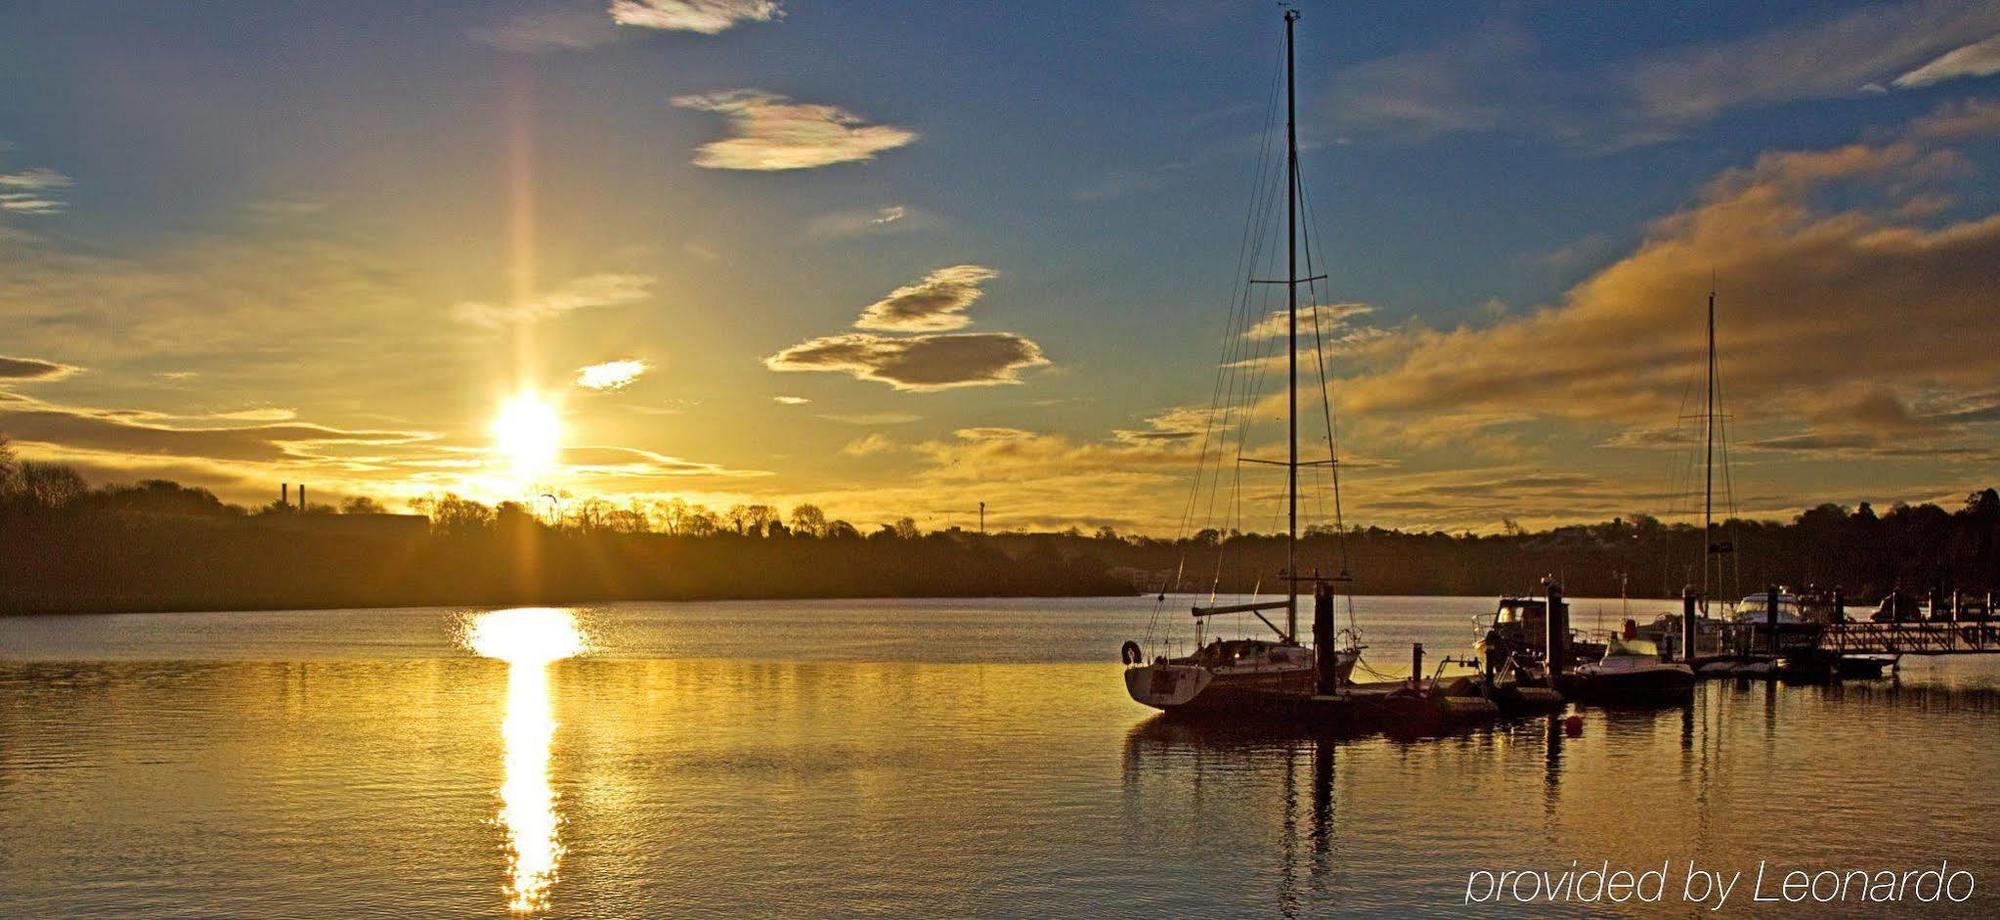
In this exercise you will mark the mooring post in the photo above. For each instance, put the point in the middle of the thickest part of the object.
(1327, 677)
(1556, 643)
(1416, 665)
(1687, 625)
(1771, 618)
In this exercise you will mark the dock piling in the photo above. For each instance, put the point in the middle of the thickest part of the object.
(1556, 642)
(1771, 618)
(1325, 673)
(1687, 625)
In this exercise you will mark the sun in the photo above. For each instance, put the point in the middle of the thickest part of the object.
(528, 433)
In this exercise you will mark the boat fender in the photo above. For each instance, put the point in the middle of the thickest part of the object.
(1129, 653)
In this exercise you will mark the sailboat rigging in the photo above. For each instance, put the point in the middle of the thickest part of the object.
(1241, 673)
(1666, 630)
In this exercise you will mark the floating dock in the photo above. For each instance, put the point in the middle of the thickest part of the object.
(1404, 706)
(1792, 651)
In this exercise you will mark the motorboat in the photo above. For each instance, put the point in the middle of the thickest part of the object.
(1631, 669)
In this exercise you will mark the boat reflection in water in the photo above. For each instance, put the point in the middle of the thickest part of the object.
(528, 640)
(1217, 770)
(1313, 822)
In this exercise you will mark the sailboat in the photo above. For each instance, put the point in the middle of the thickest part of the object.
(1709, 629)
(1253, 674)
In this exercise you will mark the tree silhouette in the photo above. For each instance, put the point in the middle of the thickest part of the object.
(808, 519)
(8, 471)
(50, 485)
(159, 545)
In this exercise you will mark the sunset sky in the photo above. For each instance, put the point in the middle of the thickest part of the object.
(898, 259)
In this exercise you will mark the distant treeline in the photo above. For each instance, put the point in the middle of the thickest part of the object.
(157, 545)
(161, 546)
(1914, 548)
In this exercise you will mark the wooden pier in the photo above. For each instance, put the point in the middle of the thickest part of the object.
(1928, 637)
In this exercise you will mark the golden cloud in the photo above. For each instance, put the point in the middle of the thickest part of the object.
(1824, 315)
(771, 132)
(707, 17)
(935, 304)
(918, 363)
(611, 375)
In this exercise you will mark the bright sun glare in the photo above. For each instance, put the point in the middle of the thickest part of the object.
(529, 640)
(528, 433)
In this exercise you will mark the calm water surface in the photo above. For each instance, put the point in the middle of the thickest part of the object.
(928, 758)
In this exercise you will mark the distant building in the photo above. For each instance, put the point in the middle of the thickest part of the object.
(392, 526)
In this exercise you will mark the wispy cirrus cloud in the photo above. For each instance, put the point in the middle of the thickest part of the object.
(868, 445)
(1979, 59)
(583, 26)
(1325, 330)
(541, 31)
(1277, 323)
(33, 369)
(611, 375)
(636, 463)
(705, 16)
(1465, 84)
(33, 191)
(101, 430)
(863, 222)
(602, 290)
(1181, 423)
(1494, 79)
(937, 303)
(1826, 58)
(771, 132)
(918, 363)
(268, 414)
(872, 418)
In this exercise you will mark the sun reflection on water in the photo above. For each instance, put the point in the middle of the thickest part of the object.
(529, 640)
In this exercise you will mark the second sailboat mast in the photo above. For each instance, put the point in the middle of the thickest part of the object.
(1708, 559)
(1292, 310)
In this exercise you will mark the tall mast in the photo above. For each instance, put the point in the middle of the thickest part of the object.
(1708, 496)
(1292, 309)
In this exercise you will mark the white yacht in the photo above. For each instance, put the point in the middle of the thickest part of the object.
(1630, 669)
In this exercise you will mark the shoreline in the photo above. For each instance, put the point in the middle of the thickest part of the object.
(11, 611)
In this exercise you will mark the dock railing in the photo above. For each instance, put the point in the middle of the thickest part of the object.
(1920, 637)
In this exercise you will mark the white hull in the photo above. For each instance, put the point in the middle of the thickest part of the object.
(1184, 685)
